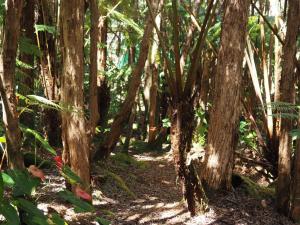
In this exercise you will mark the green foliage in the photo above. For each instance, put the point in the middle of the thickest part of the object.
(23, 182)
(33, 159)
(254, 27)
(202, 128)
(80, 205)
(56, 220)
(44, 143)
(2, 139)
(141, 146)
(26, 46)
(128, 21)
(127, 160)
(7, 180)
(102, 221)
(22, 186)
(120, 183)
(10, 213)
(287, 111)
(166, 122)
(247, 137)
(255, 190)
(45, 28)
(41, 101)
(32, 215)
(70, 175)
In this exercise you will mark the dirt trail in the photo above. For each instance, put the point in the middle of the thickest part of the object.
(154, 198)
(159, 200)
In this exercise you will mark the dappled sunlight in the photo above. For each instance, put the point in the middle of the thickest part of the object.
(213, 161)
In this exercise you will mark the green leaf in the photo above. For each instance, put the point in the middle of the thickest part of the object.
(295, 133)
(70, 175)
(40, 138)
(23, 65)
(27, 46)
(7, 180)
(30, 208)
(44, 101)
(10, 213)
(24, 184)
(43, 28)
(34, 220)
(127, 21)
(80, 205)
(57, 220)
(102, 221)
(2, 139)
(166, 122)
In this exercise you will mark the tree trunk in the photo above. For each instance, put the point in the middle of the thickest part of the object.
(224, 118)
(49, 75)
(74, 136)
(129, 129)
(154, 86)
(153, 104)
(27, 31)
(122, 117)
(287, 94)
(267, 89)
(94, 35)
(7, 84)
(295, 187)
(182, 127)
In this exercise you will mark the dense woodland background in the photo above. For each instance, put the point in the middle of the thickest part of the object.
(111, 106)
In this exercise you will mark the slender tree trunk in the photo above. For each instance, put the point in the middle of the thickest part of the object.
(74, 136)
(129, 129)
(94, 34)
(204, 90)
(11, 34)
(295, 188)
(267, 89)
(27, 31)
(224, 118)
(102, 85)
(122, 117)
(154, 86)
(274, 142)
(182, 127)
(277, 50)
(287, 94)
(49, 74)
(153, 104)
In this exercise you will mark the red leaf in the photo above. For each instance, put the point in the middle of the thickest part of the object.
(36, 172)
(82, 194)
(58, 161)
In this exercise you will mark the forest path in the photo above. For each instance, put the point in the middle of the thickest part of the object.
(159, 201)
(141, 190)
(158, 198)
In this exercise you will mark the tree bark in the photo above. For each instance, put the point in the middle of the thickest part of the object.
(122, 117)
(94, 35)
(182, 128)
(295, 187)
(287, 94)
(154, 86)
(7, 84)
(27, 31)
(49, 73)
(74, 136)
(224, 118)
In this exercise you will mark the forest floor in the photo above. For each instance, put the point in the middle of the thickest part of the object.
(141, 189)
